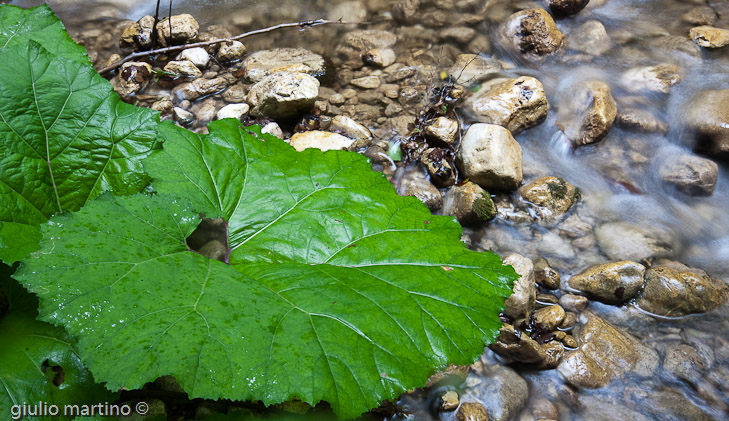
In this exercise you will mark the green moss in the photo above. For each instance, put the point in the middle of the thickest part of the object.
(558, 190)
(484, 207)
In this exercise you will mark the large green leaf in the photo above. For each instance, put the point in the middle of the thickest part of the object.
(18, 26)
(65, 136)
(34, 354)
(338, 289)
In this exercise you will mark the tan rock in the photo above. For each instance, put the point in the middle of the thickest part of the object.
(260, 64)
(184, 29)
(552, 195)
(690, 174)
(521, 303)
(549, 317)
(533, 33)
(566, 7)
(472, 411)
(491, 157)
(139, 34)
(589, 112)
(449, 401)
(442, 130)
(318, 139)
(517, 104)
(658, 78)
(283, 94)
(679, 290)
(472, 68)
(545, 276)
(231, 51)
(183, 67)
(515, 345)
(469, 203)
(133, 77)
(414, 183)
(612, 283)
(438, 163)
(351, 128)
(590, 38)
(199, 88)
(708, 115)
(709, 36)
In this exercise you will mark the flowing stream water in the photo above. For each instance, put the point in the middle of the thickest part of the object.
(619, 177)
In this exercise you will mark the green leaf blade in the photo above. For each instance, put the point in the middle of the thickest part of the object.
(65, 137)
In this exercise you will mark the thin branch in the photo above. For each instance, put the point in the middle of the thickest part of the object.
(302, 25)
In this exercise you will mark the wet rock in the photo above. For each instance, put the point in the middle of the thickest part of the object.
(678, 290)
(612, 283)
(366, 82)
(379, 57)
(352, 129)
(260, 64)
(676, 46)
(184, 29)
(641, 121)
(569, 321)
(491, 157)
(533, 33)
(657, 78)
(355, 43)
(561, 8)
(544, 275)
(505, 393)
(590, 38)
(517, 104)
(133, 78)
(231, 51)
(555, 351)
(665, 404)
(473, 68)
(139, 34)
(684, 362)
(553, 196)
(406, 11)
(164, 106)
(183, 117)
(198, 56)
(709, 37)
(233, 111)
(458, 34)
(622, 240)
(318, 139)
(348, 11)
(520, 304)
(199, 88)
(708, 115)
(472, 411)
(205, 111)
(588, 113)
(543, 409)
(183, 67)
(442, 131)
(700, 15)
(573, 302)
(438, 164)
(283, 94)
(414, 183)
(235, 93)
(273, 129)
(449, 401)
(469, 203)
(690, 174)
(604, 354)
(549, 317)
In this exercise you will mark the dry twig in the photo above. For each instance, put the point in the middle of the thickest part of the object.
(302, 25)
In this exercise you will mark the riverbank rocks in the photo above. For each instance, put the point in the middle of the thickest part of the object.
(709, 36)
(414, 183)
(134, 76)
(622, 240)
(605, 353)
(184, 28)
(517, 104)
(658, 78)
(552, 196)
(199, 88)
(231, 51)
(325, 141)
(563, 8)
(197, 55)
(490, 157)
(708, 115)
(473, 68)
(590, 38)
(533, 33)
(138, 35)
(520, 304)
(588, 112)
(674, 290)
(233, 111)
(690, 174)
(183, 68)
(612, 283)
(442, 130)
(283, 95)
(260, 64)
(469, 203)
